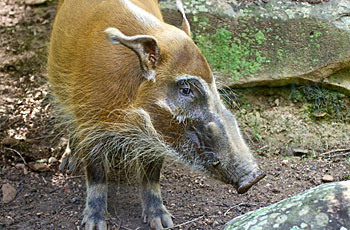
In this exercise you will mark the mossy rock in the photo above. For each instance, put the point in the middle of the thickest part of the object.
(298, 42)
(325, 207)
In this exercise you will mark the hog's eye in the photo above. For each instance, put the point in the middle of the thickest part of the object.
(185, 90)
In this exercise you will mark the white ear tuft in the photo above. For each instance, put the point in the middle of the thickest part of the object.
(113, 35)
(185, 24)
(144, 46)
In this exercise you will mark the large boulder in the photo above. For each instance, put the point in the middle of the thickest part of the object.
(282, 42)
(324, 207)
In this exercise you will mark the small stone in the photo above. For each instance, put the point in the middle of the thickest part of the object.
(277, 102)
(19, 166)
(8, 193)
(327, 178)
(284, 162)
(41, 161)
(320, 115)
(300, 152)
(34, 2)
(75, 200)
(40, 167)
(52, 160)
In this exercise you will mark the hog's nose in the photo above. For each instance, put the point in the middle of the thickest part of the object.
(249, 180)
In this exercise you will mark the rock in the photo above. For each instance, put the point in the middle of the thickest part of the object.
(284, 162)
(323, 207)
(294, 43)
(52, 160)
(39, 167)
(8, 193)
(9, 141)
(327, 178)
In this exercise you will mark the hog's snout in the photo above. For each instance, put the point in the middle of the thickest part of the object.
(249, 180)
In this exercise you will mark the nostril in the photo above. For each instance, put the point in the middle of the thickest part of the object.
(208, 136)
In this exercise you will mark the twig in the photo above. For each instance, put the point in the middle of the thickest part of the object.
(19, 154)
(235, 206)
(122, 227)
(74, 177)
(341, 154)
(119, 226)
(334, 151)
(44, 137)
(187, 222)
(120, 221)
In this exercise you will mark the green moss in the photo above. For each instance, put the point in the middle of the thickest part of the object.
(229, 54)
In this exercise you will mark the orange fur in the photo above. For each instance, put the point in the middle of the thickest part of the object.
(93, 78)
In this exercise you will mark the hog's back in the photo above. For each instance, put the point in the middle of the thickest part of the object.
(87, 73)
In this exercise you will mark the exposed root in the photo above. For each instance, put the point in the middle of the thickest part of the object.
(18, 153)
(334, 151)
(185, 223)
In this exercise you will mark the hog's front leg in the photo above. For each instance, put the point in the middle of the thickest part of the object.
(96, 201)
(154, 212)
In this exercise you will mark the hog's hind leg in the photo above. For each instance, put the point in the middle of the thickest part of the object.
(96, 201)
(154, 212)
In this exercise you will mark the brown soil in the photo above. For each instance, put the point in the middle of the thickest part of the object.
(55, 200)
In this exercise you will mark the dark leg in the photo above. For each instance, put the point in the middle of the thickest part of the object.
(154, 212)
(96, 201)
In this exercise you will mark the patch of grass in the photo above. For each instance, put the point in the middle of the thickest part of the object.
(320, 102)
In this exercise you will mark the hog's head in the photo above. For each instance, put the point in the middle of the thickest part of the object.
(184, 105)
(205, 132)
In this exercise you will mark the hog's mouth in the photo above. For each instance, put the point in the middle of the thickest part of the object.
(243, 184)
(207, 163)
(242, 174)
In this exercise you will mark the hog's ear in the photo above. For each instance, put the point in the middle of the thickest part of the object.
(185, 25)
(144, 46)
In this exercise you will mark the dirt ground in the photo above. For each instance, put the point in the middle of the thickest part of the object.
(289, 152)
